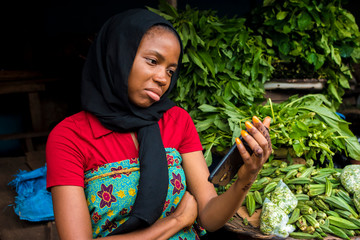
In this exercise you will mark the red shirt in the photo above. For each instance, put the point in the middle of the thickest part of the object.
(80, 143)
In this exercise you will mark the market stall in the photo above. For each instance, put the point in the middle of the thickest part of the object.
(307, 51)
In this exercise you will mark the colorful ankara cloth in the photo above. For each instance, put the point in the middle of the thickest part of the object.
(111, 191)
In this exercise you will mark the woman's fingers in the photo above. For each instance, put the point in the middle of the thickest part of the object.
(257, 138)
(242, 150)
(256, 141)
(263, 128)
(266, 121)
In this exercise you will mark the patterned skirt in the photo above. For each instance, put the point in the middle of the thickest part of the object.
(111, 191)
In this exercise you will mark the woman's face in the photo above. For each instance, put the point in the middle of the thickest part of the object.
(155, 62)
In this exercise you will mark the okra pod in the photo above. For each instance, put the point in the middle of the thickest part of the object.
(264, 172)
(321, 204)
(270, 187)
(332, 213)
(258, 197)
(342, 223)
(299, 180)
(250, 203)
(302, 197)
(294, 216)
(321, 214)
(344, 195)
(290, 174)
(312, 221)
(276, 163)
(309, 229)
(307, 172)
(302, 235)
(301, 223)
(349, 232)
(291, 167)
(340, 203)
(305, 210)
(346, 214)
(328, 187)
(338, 232)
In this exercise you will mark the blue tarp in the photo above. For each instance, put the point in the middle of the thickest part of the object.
(33, 202)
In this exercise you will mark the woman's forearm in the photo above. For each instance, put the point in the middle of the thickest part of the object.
(162, 229)
(221, 208)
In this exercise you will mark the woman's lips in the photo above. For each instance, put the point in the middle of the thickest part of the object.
(153, 94)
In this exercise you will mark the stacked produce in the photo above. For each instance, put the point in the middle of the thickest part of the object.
(227, 61)
(327, 198)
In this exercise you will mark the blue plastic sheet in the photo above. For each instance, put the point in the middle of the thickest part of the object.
(33, 202)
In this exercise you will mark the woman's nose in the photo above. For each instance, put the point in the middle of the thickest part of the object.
(161, 76)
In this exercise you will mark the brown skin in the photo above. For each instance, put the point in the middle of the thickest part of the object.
(153, 67)
(155, 62)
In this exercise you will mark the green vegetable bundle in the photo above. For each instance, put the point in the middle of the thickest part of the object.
(227, 60)
(324, 206)
(312, 39)
(222, 57)
(308, 125)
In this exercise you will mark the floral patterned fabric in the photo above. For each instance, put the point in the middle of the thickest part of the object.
(111, 191)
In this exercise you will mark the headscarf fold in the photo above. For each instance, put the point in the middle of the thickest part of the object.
(104, 93)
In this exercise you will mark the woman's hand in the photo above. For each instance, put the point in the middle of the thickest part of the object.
(258, 138)
(187, 210)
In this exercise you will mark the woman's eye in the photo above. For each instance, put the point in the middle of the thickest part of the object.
(171, 72)
(151, 61)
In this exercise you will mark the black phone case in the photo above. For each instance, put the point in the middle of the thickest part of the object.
(228, 166)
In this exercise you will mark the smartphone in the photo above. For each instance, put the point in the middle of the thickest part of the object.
(228, 166)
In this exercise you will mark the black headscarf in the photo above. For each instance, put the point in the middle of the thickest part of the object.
(105, 94)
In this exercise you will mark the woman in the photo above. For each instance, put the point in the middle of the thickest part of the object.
(117, 169)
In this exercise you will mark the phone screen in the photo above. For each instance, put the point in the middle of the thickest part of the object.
(228, 166)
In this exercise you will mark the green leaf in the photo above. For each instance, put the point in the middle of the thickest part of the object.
(269, 42)
(208, 108)
(227, 52)
(281, 15)
(284, 47)
(304, 21)
(298, 149)
(344, 82)
(219, 123)
(185, 58)
(335, 55)
(333, 90)
(208, 62)
(195, 58)
(205, 124)
(302, 126)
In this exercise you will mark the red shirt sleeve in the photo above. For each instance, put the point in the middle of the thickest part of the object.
(184, 132)
(65, 162)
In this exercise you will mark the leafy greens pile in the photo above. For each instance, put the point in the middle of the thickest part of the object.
(308, 125)
(226, 62)
(222, 57)
(314, 38)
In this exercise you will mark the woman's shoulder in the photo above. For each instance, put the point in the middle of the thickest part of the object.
(177, 117)
(71, 123)
(176, 113)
